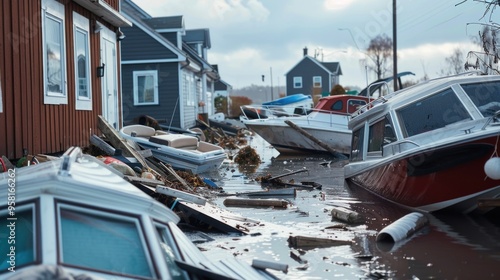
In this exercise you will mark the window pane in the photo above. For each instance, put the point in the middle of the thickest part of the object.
(81, 63)
(354, 105)
(24, 234)
(486, 96)
(103, 243)
(146, 89)
(54, 54)
(432, 113)
(357, 145)
(375, 136)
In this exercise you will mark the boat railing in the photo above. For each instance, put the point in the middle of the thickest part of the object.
(263, 112)
(308, 114)
(374, 101)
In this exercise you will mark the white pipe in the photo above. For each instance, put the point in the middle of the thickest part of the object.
(402, 228)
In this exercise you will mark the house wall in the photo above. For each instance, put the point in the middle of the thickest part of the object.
(307, 69)
(141, 46)
(168, 93)
(171, 36)
(26, 122)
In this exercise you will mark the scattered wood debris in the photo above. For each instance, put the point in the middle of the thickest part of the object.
(307, 242)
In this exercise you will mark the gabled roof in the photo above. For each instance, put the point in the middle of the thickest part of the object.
(166, 24)
(130, 11)
(200, 36)
(333, 68)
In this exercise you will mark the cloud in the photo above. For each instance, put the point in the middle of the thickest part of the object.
(337, 5)
(199, 13)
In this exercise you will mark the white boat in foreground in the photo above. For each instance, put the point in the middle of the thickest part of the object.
(75, 218)
(430, 147)
(179, 150)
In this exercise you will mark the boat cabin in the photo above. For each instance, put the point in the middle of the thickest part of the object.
(423, 114)
(341, 104)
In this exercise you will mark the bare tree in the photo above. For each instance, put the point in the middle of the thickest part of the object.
(454, 63)
(380, 51)
(487, 59)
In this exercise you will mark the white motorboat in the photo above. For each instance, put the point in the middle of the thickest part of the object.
(179, 150)
(327, 122)
(432, 146)
(75, 218)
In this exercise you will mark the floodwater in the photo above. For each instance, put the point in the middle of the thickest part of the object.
(452, 246)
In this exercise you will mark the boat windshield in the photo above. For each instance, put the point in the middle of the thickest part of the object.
(486, 96)
(433, 112)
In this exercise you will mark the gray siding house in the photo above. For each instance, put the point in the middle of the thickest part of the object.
(312, 77)
(164, 71)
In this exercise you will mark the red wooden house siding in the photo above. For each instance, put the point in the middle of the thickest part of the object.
(26, 122)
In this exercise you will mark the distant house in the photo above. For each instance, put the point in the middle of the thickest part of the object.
(164, 67)
(59, 70)
(313, 77)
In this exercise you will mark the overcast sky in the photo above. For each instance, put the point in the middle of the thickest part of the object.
(249, 37)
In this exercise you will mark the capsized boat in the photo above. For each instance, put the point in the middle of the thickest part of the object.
(179, 150)
(427, 147)
(326, 122)
(76, 217)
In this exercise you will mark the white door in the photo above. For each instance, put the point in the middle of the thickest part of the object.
(109, 81)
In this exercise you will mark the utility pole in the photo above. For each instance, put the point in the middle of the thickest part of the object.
(394, 45)
(271, 70)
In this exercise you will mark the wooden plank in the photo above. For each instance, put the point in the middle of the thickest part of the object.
(488, 202)
(312, 138)
(288, 174)
(239, 202)
(315, 242)
(118, 142)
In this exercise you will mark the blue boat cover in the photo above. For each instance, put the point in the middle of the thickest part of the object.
(283, 101)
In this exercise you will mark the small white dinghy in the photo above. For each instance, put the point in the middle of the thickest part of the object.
(179, 150)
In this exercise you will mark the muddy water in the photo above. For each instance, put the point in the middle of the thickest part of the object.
(450, 247)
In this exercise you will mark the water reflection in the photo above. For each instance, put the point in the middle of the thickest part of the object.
(452, 246)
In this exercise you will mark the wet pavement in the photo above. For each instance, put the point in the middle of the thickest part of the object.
(452, 246)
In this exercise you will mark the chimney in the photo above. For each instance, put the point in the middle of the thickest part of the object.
(305, 51)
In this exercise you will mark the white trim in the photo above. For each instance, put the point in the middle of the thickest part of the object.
(55, 11)
(169, 30)
(180, 96)
(82, 24)
(151, 61)
(136, 75)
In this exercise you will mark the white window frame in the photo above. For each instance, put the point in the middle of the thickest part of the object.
(190, 89)
(297, 80)
(136, 75)
(54, 10)
(81, 25)
(317, 80)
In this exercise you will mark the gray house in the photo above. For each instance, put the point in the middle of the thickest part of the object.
(312, 77)
(164, 70)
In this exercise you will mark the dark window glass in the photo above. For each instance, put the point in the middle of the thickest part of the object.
(486, 96)
(337, 106)
(357, 144)
(436, 111)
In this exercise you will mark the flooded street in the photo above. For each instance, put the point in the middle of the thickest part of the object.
(452, 246)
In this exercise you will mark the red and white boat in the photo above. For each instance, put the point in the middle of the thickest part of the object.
(326, 122)
(432, 146)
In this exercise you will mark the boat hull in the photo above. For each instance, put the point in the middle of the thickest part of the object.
(184, 160)
(450, 178)
(286, 139)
